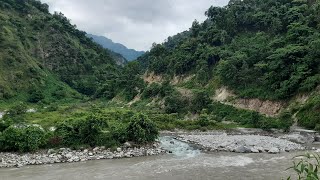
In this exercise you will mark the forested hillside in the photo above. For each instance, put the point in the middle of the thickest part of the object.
(41, 55)
(265, 49)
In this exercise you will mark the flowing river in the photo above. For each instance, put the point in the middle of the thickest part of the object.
(184, 163)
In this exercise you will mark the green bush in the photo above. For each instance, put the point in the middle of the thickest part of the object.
(23, 139)
(175, 104)
(141, 129)
(81, 131)
(204, 120)
(36, 96)
(119, 133)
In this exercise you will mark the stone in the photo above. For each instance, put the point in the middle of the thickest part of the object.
(96, 149)
(127, 144)
(274, 150)
(69, 156)
(242, 149)
(254, 150)
(85, 151)
(298, 138)
(51, 151)
(119, 149)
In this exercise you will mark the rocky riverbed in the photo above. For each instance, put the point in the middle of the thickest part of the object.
(241, 143)
(66, 155)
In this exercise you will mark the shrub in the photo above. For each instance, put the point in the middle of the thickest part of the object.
(141, 129)
(23, 139)
(119, 133)
(175, 104)
(204, 120)
(36, 96)
(81, 131)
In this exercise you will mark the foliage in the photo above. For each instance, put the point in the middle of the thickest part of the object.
(141, 129)
(308, 167)
(81, 131)
(309, 114)
(260, 49)
(23, 139)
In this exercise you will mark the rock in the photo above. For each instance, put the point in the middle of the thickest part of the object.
(69, 156)
(85, 151)
(51, 151)
(242, 149)
(90, 154)
(254, 150)
(298, 138)
(171, 142)
(119, 149)
(274, 150)
(127, 144)
(260, 149)
(96, 149)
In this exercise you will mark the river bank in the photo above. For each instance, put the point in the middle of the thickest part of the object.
(237, 141)
(66, 155)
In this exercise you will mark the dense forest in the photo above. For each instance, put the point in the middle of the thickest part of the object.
(261, 49)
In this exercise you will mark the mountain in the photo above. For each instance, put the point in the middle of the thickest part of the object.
(129, 54)
(43, 56)
(254, 54)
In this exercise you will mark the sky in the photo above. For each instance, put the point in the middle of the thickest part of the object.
(135, 23)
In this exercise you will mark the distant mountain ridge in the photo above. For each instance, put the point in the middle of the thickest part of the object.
(129, 54)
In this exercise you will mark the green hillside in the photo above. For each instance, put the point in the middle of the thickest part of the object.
(264, 49)
(44, 53)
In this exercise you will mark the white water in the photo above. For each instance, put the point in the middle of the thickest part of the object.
(178, 148)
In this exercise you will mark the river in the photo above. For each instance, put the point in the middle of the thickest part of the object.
(185, 163)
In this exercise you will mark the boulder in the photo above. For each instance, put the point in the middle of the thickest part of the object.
(274, 150)
(127, 145)
(242, 149)
(254, 150)
(119, 149)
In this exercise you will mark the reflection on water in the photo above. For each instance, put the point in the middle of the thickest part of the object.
(183, 164)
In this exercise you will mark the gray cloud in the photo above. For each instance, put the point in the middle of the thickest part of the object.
(134, 23)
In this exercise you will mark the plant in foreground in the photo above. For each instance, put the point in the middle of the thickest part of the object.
(308, 167)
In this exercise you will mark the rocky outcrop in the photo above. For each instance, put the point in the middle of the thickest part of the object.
(266, 107)
(66, 155)
(241, 143)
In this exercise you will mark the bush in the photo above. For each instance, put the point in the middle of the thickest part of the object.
(119, 133)
(204, 120)
(23, 139)
(36, 96)
(141, 129)
(81, 131)
(175, 104)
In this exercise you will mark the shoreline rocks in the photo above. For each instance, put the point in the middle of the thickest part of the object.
(66, 155)
(241, 143)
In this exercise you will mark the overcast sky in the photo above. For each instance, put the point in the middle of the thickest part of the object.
(134, 23)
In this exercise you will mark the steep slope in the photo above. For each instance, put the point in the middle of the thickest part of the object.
(129, 54)
(264, 51)
(41, 52)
